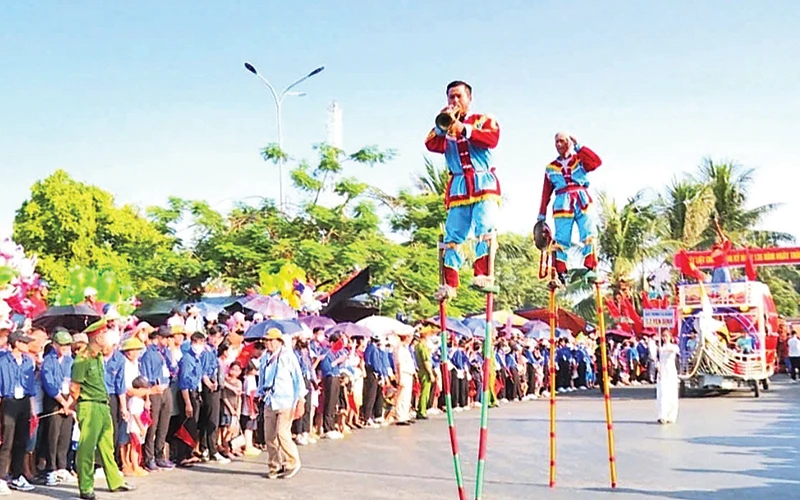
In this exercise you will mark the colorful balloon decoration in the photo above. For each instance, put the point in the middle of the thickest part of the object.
(21, 291)
(290, 283)
(111, 289)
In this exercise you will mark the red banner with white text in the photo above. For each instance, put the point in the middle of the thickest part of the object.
(738, 257)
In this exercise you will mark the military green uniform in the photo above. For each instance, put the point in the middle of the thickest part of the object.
(94, 421)
(423, 355)
(492, 380)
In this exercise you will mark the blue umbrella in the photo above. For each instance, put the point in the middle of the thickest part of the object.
(538, 334)
(286, 326)
(454, 325)
(478, 325)
(205, 307)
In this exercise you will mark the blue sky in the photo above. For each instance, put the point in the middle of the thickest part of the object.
(150, 99)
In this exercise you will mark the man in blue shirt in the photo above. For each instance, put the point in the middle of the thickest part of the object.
(582, 360)
(210, 398)
(330, 368)
(564, 362)
(190, 378)
(373, 396)
(114, 378)
(459, 365)
(282, 388)
(302, 426)
(153, 367)
(56, 375)
(17, 388)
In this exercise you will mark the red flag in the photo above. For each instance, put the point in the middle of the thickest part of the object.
(687, 267)
(613, 310)
(187, 433)
(749, 266)
(630, 313)
(646, 303)
(34, 422)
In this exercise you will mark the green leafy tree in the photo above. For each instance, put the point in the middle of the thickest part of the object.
(68, 223)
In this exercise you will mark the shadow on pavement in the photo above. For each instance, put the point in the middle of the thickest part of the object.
(775, 452)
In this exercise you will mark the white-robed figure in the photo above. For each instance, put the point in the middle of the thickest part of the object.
(668, 384)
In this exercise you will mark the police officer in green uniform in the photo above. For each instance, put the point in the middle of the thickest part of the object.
(94, 416)
(425, 373)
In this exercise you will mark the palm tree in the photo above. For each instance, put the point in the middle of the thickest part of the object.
(627, 235)
(434, 180)
(730, 184)
(685, 209)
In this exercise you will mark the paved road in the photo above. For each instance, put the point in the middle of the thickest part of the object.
(727, 447)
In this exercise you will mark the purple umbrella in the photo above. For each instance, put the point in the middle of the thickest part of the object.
(349, 329)
(535, 325)
(314, 322)
(270, 307)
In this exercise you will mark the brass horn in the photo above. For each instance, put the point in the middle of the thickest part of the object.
(447, 118)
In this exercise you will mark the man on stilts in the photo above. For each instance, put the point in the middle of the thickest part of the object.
(472, 196)
(566, 176)
(473, 191)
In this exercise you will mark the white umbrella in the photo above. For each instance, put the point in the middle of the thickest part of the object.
(383, 326)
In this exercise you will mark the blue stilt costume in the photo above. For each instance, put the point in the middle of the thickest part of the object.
(473, 191)
(566, 176)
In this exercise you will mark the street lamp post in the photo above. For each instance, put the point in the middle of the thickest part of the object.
(278, 102)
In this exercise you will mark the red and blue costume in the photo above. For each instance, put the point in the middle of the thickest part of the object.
(567, 178)
(473, 191)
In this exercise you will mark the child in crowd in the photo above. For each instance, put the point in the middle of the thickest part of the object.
(137, 428)
(231, 409)
(249, 417)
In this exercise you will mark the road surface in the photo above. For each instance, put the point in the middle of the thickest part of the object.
(727, 447)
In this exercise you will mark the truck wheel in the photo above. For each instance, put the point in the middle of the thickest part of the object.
(765, 384)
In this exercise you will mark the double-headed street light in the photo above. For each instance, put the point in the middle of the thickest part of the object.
(278, 101)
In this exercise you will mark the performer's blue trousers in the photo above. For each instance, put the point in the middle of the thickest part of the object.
(563, 236)
(478, 220)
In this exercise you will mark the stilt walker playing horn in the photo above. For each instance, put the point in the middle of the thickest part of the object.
(473, 191)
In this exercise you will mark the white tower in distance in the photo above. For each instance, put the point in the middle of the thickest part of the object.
(335, 134)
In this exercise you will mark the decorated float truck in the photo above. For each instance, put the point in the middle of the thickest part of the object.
(742, 352)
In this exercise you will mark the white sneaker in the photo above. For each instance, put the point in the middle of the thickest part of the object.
(52, 479)
(583, 387)
(21, 484)
(4, 489)
(221, 459)
(434, 411)
(65, 477)
(301, 440)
